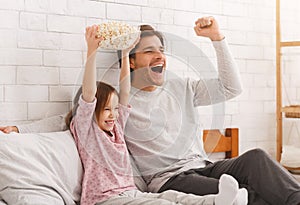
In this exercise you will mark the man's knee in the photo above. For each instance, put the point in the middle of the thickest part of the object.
(255, 154)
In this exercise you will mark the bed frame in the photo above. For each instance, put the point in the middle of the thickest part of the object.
(215, 141)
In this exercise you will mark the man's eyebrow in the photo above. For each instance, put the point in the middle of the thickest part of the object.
(152, 47)
(148, 47)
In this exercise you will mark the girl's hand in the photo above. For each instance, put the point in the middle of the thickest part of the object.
(208, 27)
(125, 52)
(92, 39)
(9, 129)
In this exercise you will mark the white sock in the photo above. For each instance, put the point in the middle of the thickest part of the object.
(241, 197)
(228, 190)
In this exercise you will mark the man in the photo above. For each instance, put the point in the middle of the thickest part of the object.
(162, 133)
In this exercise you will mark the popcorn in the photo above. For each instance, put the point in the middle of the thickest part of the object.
(117, 35)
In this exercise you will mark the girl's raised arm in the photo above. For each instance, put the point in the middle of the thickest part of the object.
(124, 81)
(89, 87)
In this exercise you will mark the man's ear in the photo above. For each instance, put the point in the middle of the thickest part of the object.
(132, 63)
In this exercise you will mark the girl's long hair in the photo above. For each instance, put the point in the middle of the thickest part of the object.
(104, 91)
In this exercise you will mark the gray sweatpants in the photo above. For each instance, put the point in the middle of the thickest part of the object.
(135, 197)
(265, 179)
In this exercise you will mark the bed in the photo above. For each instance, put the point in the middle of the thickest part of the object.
(227, 143)
(45, 168)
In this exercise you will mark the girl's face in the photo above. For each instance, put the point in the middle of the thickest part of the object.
(109, 114)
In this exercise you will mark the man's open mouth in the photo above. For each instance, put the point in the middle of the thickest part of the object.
(157, 69)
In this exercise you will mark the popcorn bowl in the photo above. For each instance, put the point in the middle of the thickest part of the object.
(117, 35)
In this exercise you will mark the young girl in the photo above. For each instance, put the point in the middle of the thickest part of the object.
(98, 130)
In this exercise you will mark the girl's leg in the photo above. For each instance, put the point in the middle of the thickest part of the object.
(170, 197)
(229, 194)
(175, 197)
(136, 197)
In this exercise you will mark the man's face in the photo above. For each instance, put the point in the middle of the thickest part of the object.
(149, 63)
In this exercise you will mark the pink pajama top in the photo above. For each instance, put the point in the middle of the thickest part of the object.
(107, 168)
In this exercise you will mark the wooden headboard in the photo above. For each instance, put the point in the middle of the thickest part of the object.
(215, 141)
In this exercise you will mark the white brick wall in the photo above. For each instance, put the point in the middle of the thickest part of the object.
(123, 12)
(33, 21)
(40, 110)
(25, 93)
(67, 79)
(1, 93)
(63, 58)
(7, 75)
(42, 40)
(65, 24)
(42, 54)
(13, 111)
(8, 38)
(14, 56)
(61, 93)
(42, 75)
(10, 19)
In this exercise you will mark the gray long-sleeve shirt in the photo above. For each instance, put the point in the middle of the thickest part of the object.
(50, 124)
(162, 132)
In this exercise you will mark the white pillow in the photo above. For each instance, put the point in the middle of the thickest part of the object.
(42, 168)
(290, 156)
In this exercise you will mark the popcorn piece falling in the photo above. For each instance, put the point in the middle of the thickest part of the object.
(117, 35)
